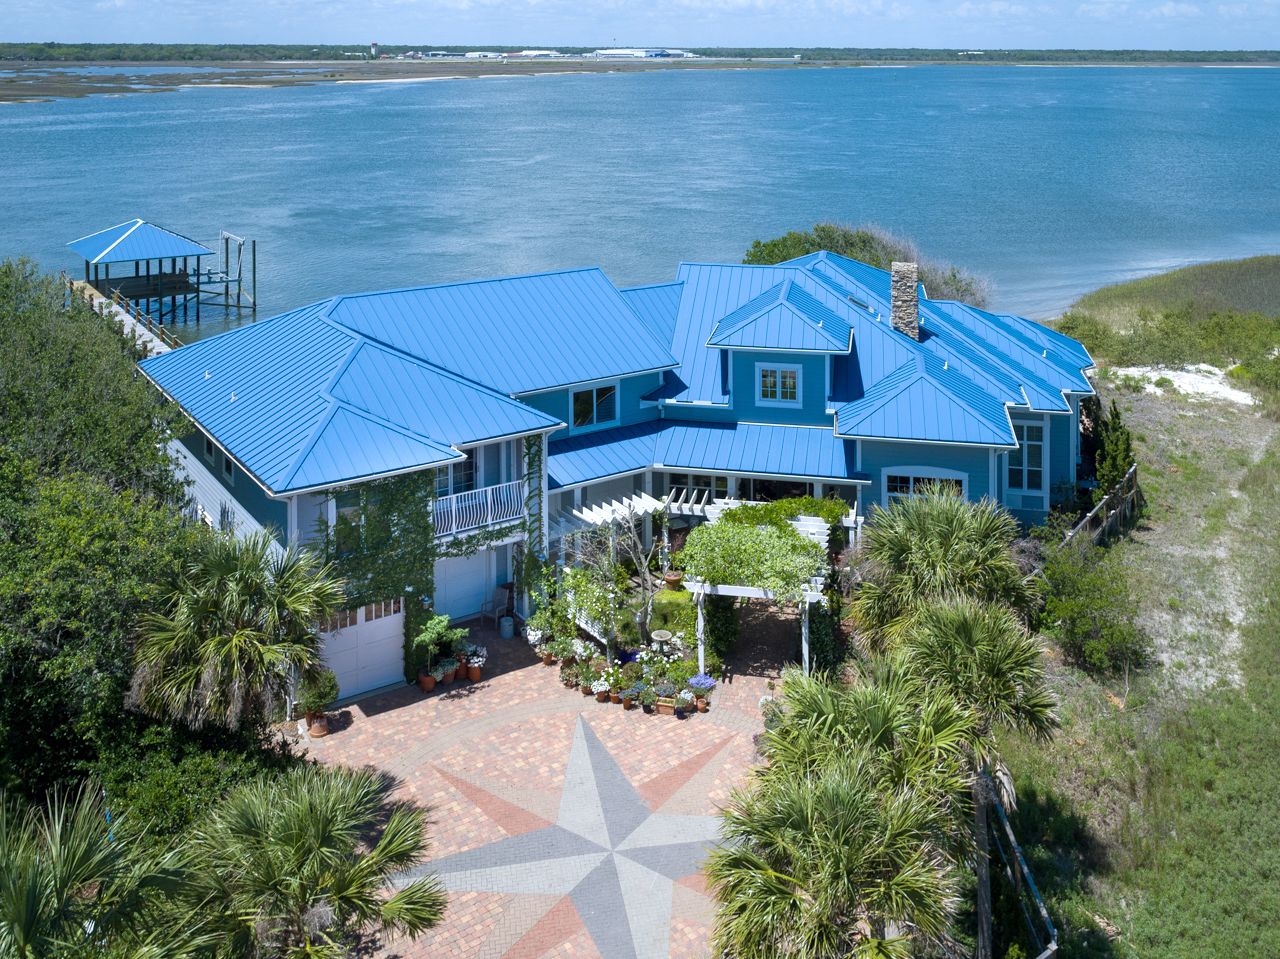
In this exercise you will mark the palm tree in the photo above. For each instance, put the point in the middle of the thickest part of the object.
(845, 844)
(289, 866)
(932, 546)
(981, 656)
(240, 624)
(73, 884)
(834, 864)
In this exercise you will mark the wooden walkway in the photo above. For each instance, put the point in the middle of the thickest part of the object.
(152, 337)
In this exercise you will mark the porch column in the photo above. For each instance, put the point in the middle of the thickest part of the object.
(702, 625)
(804, 634)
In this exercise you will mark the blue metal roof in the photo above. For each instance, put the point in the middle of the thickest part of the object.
(738, 448)
(301, 402)
(516, 334)
(657, 306)
(136, 240)
(921, 401)
(783, 317)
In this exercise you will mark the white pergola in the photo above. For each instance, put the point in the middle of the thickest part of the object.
(811, 593)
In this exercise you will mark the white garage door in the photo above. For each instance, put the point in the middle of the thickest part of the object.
(368, 653)
(462, 585)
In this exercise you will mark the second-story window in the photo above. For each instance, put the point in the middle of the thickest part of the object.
(1026, 463)
(778, 385)
(464, 475)
(228, 470)
(596, 406)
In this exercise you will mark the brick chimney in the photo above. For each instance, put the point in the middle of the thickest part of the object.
(905, 304)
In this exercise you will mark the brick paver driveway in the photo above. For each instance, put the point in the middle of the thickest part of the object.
(563, 826)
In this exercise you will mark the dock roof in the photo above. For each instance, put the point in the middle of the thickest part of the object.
(136, 240)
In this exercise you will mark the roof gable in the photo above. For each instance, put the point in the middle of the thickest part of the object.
(783, 317)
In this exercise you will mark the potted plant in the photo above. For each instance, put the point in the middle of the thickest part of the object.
(701, 685)
(477, 656)
(601, 688)
(586, 676)
(648, 699)
(614, 677)
(684, 702)
(562, 649)
(666, 702)
(568, 674)
(316, 691)
(436, 634)
(629, 696)
(460, 650)
(448, 669)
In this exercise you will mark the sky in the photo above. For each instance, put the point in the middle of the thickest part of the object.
(976, 24)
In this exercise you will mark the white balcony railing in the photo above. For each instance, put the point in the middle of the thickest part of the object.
(462, 512)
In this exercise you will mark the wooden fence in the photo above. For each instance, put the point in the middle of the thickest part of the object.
(1115, 513)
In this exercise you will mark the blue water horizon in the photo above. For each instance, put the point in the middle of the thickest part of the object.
(1048, 181)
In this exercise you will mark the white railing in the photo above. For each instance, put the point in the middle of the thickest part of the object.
(462, 512)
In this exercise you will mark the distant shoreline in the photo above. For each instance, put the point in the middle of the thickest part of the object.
(45, 80)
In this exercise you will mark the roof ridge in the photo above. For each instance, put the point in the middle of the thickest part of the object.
(649, 286)
(117, 241)
(474, 282)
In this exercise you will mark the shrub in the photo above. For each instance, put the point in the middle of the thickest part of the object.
(1090, 612)
(826, 647)
(436, 634)
(168, 777)
(721, 622)
(674, 610)
(317, 691)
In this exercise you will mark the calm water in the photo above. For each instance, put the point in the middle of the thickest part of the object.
(1049, 181)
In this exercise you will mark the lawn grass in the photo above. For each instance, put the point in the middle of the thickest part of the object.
(1244, 286)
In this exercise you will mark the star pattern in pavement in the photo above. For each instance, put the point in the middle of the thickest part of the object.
(608, 853)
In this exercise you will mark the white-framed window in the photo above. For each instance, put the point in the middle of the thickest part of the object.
(210, 450)
(228, 470)
(777, 385)
(387, 607)
(456, 478)
(1026, 463)
(903, 482)
(595, 406)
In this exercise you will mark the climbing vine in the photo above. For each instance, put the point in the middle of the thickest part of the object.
(530, 559)
(384, 543)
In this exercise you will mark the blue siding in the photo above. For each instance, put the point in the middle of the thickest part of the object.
(271, 513)
(813, 389)
(877, 456)
(559, 403)
(1062, 470)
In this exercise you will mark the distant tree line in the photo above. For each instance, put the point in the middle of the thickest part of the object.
(187, 52)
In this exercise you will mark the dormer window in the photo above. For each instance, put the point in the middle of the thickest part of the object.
(777, 385)
(595, 407)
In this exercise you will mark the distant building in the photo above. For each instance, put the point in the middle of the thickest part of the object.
(373, 50)
(642, 53)
(538, 54)
(483, 55)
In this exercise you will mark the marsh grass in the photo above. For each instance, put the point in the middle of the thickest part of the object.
(1245, 286)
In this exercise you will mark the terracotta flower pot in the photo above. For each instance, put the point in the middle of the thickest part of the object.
(626, 702)
(548, 659)
(602, 697)
(586, 689)
(473, 673)
(673, 579)
(319, 726)
(426, 682)
(702, 705)
(615, 698)
(447, 678)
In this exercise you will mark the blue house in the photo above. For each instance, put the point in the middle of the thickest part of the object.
(533, 398)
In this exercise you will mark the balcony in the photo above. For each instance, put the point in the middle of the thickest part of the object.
(476, 509)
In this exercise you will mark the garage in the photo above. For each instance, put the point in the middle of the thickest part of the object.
(463, 584)
(367, 650)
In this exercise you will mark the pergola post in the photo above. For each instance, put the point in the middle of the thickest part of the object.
(702, 626)
(804, 634)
